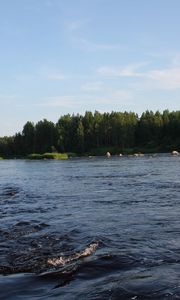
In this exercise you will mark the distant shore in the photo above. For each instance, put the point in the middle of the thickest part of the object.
(95, 134)
(94, 153)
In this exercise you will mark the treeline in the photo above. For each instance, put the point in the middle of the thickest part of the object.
(94, 133)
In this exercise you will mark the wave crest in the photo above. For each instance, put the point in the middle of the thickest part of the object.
(61, 261)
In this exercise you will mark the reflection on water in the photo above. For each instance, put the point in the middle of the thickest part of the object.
(90, 229)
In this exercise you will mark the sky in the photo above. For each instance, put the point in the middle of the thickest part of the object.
(72, 56)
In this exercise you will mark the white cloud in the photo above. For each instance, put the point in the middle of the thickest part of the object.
(116, 99)
(131, 70)
(75, 33)
(60, 101)
(122, 94)
(91, 46)
(160, 78)
(75, 25)
(44, 72)
(113, 99)
(85, 101)
(53, 102)
(69, 101)
(50, 3)
(176, 60)
(49, 73)
(25, 77)
(55, 76)
(92, 86)
(4, 99)
(166, 78)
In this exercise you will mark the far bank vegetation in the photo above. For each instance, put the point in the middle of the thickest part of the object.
(95, 134)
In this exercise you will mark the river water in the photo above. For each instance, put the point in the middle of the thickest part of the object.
(90, 228)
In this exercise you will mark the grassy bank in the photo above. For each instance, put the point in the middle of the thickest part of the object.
(54, 155)
(95, 152)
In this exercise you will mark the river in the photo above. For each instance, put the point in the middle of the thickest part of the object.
(90, 228)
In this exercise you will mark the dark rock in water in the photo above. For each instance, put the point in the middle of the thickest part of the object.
(10, 191)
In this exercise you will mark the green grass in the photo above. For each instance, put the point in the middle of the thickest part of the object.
(53, 155)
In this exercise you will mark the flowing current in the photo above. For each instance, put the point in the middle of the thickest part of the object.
(90, 228)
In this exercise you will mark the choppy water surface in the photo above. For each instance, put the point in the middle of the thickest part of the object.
(90, 228)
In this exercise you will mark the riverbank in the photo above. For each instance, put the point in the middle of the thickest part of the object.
(128, 151)
(54, 155)
(115, 151)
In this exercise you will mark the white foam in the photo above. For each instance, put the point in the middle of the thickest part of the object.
(65, 260)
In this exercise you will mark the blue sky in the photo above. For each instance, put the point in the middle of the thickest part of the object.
(69, 56)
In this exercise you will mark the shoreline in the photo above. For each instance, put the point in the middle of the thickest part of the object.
(66, 156)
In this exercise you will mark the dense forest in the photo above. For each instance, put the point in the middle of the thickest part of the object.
(96, 133)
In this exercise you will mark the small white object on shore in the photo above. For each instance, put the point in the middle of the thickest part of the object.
(138, 154)
(108, 154)
(175, 153)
